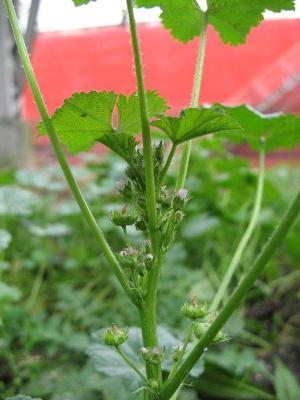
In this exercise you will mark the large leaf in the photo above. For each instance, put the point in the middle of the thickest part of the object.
(233, 19)
(286, 385)
(197, 122)
(278, 130)
(86, 117)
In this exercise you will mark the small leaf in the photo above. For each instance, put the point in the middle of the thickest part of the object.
(121, 144)
(5, 239)
(81, 2)
(278, 130)
(195, 122)
(232, 19)
(286, 385)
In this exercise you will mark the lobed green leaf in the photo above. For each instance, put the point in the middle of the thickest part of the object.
(278, 130)
(86, 117)
(197, 122)
(232, 19)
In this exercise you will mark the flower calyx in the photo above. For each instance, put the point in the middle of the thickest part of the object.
(194, 310)
(115, 336)
(128, 258)
(124, 217)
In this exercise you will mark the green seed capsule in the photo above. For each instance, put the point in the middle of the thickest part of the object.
(194, 310)
(123, 218)
(115, 336)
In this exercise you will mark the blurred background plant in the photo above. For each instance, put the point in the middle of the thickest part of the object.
(56, 291)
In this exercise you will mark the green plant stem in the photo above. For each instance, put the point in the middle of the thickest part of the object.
(86, 212)
(147, 145)
(148, 312)
(131, 364)
(168, 163)
(235, 299)
(245, 238)
(183, 350)
(186, 151)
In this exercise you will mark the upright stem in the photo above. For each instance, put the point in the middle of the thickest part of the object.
(147, 145)
(86, 212)
(186, 151)
(235, 299)
(148, 312)
(246, 237)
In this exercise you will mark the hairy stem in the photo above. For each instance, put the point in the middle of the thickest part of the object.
(167, 164)
(245, 238)
(235, 299)
(86, 212)
(148, 313)
(147, 145)
(186, 151)
(131, 364)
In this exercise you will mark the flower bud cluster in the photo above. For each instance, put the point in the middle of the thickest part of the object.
(115, 336)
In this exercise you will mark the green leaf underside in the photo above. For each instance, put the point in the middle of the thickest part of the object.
(81, 2)
(86, 117)
(232, 19)
(195, 122)
(122, 144)
(278, 130)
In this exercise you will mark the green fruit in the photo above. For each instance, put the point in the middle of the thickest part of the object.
(115, 336)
